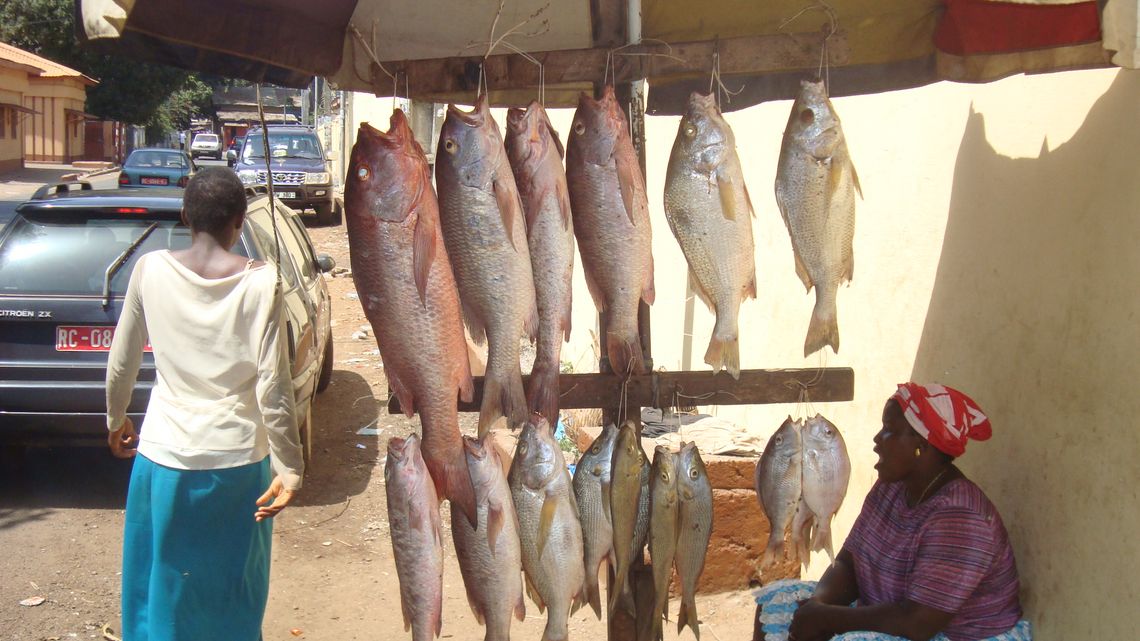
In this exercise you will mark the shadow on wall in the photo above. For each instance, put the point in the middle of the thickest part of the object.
(1035, 312)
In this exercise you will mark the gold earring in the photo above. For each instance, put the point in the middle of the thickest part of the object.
(917, 452)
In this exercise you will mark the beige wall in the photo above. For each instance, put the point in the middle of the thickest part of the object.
(13, 84)
(994, 251)
(52, 135)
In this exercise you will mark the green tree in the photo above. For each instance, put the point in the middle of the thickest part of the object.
(139, 93)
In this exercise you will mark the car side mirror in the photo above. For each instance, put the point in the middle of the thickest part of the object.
(330, 157)
(325, 263)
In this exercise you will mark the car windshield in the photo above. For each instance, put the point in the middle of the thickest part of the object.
(150, 159)
(69, 252)
(206, 138)
(283, 145)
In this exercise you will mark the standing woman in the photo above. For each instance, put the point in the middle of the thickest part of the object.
(197, 537)
(928, 556)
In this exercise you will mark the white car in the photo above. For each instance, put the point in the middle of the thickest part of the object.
(206, 145)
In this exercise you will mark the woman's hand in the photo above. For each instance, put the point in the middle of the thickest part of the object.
(810, 622)
(280, 497)
(124, 442)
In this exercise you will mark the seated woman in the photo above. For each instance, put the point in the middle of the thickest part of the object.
(928, 556)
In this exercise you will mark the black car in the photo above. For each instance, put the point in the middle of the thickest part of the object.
(65, 260)
(302, 178)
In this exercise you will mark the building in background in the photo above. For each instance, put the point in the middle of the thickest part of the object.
(52, 122)
(13, 86)
(236, 108)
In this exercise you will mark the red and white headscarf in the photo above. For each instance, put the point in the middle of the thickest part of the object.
(943, 416)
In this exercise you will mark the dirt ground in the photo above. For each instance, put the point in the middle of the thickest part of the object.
(333, 577)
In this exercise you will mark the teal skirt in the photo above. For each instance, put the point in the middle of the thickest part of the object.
(195, 564)
(778, 602)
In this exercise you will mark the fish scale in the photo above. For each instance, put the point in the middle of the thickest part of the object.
(591, 487)
(710, 214)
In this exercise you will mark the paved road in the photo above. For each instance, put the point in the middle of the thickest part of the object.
(17, 187)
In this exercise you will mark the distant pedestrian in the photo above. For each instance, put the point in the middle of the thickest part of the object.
(196, 543)
(182, 140)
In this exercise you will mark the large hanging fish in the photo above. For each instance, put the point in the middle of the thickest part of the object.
(779, 482)
(611, 222)
(815, 189)
(827, 470)
(710, 213)
(535, 153)
(485, 234)
(405, 284)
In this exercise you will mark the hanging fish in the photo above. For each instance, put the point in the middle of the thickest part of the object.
(827, 471)
(592, 480)
(815, 189)
(694, 528)
(779, 483)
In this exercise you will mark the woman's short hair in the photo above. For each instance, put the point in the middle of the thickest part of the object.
(213, 197)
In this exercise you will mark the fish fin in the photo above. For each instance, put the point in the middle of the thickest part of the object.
(474, 324)
(543, 392)
(625, 353)
(855, 178)
(823, 329)
(801, 270)
(821, 538)
(475, 609)
(453, 481)
(748, 201)
(563, 194)
(724, 352)
(502, 396)
(510, 207)
(629, 182)
(402, 392)
(533, 594)
(439, 618)
(423, 254)
(416, 516)
(530, 325)
(648, 290)
(695, 285)
(728, 202)
(520, 608)
(606, 505)
(533, 207)
(404, 610)
(555, 138)
(466, 385)
(494, 525)
(594, 591)
(687, 615)
(546, 522)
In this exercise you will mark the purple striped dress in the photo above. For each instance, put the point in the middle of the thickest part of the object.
(950, 553)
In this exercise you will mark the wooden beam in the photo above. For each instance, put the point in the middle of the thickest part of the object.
(666, 389)
(607, 22)
(743, 55)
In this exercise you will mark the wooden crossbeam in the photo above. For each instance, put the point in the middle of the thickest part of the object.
(741, 55)
(666, 389)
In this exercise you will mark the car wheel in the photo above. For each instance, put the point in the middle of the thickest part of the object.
(325, 376)
(326, 214)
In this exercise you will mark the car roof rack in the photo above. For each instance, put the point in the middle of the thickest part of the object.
(55, 189)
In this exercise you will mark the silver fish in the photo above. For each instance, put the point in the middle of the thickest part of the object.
(815, 189)
(630, 477)
(592, 492)
(826, 470)
(663, 524)
(413, 514)
(490, 556)
(710, 213)
(779, 481)
(694, 527)
(549, 530)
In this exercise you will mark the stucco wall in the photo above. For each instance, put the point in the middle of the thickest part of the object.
(13, 84)
(1009, 212)
(52, 135)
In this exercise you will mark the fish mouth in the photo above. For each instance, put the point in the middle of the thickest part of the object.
(398, 447)
(474, 118)
(475, 447)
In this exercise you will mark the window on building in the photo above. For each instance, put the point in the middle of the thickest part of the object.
(4, 122)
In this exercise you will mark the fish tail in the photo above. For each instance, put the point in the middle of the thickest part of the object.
(824, 326)
(821, 538)
(543, 392)
(687, 615)
(724, 352)
(594, 591)
(453, 482)
(503, 395)
(624, 351)
(556, 628)
(619, 589)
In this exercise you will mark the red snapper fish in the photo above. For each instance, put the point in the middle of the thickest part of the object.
(611, 223)
(404, 281)
(535, 153)
(485, 234)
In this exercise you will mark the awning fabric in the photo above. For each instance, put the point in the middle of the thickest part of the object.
(885, 44)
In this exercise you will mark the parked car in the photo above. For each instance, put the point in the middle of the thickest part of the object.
(157, 167)
(206, 145)
(65, 260)
(301, 174)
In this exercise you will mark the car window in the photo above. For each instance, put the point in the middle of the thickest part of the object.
(263, 234)
(206, 138)
(283, 145)
(69, 252)
(298, 248)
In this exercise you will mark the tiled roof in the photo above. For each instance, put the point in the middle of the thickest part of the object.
(48, 69)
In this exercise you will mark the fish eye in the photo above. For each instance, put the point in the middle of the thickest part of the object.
(595, 449)
(779, 440)
(689, 129)
(449, 146)
(363, 173)
(693, 473)
(807, 116)
(522, 447)
(665, 476)
(579, 128)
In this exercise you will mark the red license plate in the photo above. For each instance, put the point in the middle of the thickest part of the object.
(146, 180)
(85, 338)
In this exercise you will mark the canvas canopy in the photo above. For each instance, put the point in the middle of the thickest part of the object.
(436, 49)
